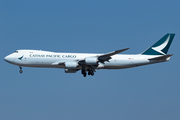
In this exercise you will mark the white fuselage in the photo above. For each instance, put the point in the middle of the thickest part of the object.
(88, 63)
(38, 58)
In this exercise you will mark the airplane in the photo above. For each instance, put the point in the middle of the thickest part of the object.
(88, 63)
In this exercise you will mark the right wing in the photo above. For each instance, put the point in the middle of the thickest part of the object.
(107, 56)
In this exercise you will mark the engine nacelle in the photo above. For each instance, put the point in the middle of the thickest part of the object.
(91, 60)
(70, 70)
(71, 65)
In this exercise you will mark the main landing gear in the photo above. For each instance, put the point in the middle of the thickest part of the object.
(90, 72)
(83, 71)
(20, 71)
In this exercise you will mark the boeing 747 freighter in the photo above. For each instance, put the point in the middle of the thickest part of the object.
(89, 63)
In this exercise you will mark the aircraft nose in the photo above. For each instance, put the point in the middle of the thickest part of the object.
(6, 58)
(9, 59)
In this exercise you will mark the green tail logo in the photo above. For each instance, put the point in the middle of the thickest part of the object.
(160, 47)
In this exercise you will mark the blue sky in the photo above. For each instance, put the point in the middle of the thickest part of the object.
(96, 26)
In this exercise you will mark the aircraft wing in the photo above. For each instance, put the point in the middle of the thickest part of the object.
(104, 57)
(107, 56)
(101, 58)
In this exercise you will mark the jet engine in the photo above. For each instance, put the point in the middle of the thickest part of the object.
(70, 67)
(91, 60)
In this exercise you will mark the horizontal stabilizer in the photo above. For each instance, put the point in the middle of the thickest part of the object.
(161, 57)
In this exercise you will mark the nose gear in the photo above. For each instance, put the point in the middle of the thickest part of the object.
(20, 70)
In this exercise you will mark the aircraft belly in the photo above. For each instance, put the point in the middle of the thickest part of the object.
(39, 62)
(121, 64)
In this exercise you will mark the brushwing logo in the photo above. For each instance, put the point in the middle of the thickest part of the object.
(21, 57)
(162, 46)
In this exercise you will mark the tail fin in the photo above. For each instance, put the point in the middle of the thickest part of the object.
(160, 47)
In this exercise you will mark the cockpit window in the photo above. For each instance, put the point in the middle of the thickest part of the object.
(16, 51)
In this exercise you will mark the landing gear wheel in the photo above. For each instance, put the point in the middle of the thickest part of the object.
(20, 71)
(83, 71)
(91, 72)
(85, 74)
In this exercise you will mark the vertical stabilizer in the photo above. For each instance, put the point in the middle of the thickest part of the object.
(160, 47)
